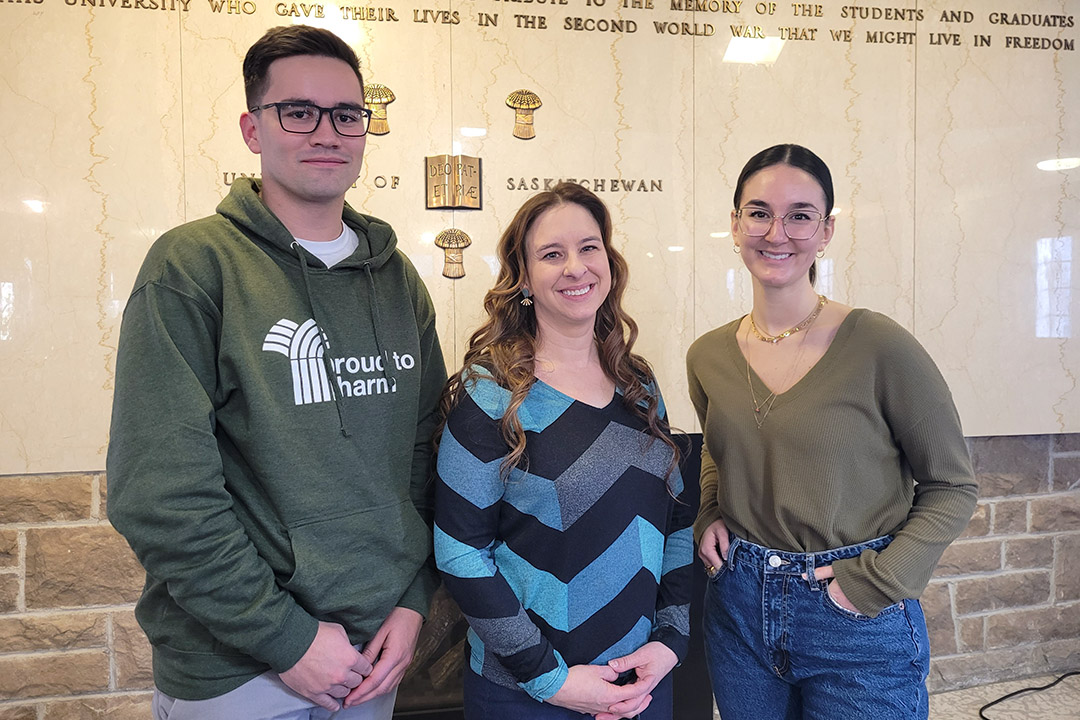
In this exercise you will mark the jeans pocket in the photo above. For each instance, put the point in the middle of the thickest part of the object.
(836, 607)
(720, 572)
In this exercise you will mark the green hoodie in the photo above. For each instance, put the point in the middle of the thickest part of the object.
(263, 486)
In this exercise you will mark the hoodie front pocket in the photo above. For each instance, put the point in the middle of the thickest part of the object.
(354, 567)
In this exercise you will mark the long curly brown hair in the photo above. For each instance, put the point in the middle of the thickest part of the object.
(505, 345)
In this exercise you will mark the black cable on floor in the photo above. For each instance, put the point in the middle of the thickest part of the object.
(1003, 698)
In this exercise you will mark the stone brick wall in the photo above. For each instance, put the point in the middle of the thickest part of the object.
(1005, 600)
(1003, 603)
(69, 644)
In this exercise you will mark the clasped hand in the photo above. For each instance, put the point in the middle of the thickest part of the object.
(332, 668)
(590, 688)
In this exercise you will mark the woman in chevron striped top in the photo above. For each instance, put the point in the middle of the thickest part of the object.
(559, 528)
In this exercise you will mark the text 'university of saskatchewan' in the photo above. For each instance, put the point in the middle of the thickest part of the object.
(596, 185)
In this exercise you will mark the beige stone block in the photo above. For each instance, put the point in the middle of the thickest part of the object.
(9, 593)
(133, 706)
(1066, 474)
(1067, 568)
(1059, 513)
(62, 631)
(9, 548)
(1067, 442)
(1010, 517)
(997, 592)
(19, 712)
(1025, 627)
(44, 498)
(1011, 465)
(965, 557)
(59, 673)
(131, 649)
(972, 634)
(76, 566)
(1027, 553)
(1061, 655)
(103, 496)
(979, 524)
(937, 607)
(959, 671)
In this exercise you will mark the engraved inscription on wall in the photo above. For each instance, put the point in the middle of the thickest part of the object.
(1015, 28)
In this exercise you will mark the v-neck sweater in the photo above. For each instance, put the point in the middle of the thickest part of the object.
(582, 556)
(868, 443)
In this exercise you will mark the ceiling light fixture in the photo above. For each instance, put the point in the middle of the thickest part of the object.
(1059, 164)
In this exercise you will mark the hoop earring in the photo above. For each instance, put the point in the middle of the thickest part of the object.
(735, 249)
(526, 297)
(820, 253)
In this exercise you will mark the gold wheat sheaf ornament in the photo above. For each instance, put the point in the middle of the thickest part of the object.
(524, 102)
(453, 243)
(377, 98)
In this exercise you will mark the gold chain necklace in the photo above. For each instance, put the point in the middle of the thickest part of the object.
(807, 322)
(768, 401)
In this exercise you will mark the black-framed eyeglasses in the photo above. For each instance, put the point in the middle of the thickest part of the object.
(798, 224)
(304, 118)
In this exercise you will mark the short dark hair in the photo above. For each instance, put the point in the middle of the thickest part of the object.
(798, 157)
(288, 41)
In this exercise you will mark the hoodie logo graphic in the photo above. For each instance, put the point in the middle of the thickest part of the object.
(301, 344)
(352, 377)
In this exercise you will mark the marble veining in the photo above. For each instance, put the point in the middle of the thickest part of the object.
(130, 128)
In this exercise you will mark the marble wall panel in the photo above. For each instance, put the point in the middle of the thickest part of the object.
(92, 156)
(616, 118)
(853, 105)
(129, 127)
(996, 288)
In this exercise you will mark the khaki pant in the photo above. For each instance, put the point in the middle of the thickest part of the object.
(266, 698)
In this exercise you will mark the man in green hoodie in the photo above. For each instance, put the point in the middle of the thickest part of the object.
(277, 380)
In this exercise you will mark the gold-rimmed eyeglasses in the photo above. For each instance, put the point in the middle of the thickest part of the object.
(797, 224)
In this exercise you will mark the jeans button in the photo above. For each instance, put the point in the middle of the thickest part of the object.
(774, 561)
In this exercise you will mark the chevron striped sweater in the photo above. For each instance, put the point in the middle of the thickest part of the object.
(583, 558)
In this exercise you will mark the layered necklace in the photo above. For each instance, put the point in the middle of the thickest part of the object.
(763, 406)
(806, 322)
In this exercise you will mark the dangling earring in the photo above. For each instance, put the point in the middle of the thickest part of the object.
(735, 249)
(526, 297)
(821, 253)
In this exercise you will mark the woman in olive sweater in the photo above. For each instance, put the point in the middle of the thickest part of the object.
(834, 475)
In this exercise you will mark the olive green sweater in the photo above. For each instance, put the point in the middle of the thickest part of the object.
(867, 444)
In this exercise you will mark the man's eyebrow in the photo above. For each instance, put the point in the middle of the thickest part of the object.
(308, 101)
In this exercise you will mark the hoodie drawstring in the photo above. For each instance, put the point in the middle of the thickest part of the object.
(377, 322)
(322, 338)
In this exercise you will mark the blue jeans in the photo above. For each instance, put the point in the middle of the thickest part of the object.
(485, 700)
(780, 648)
